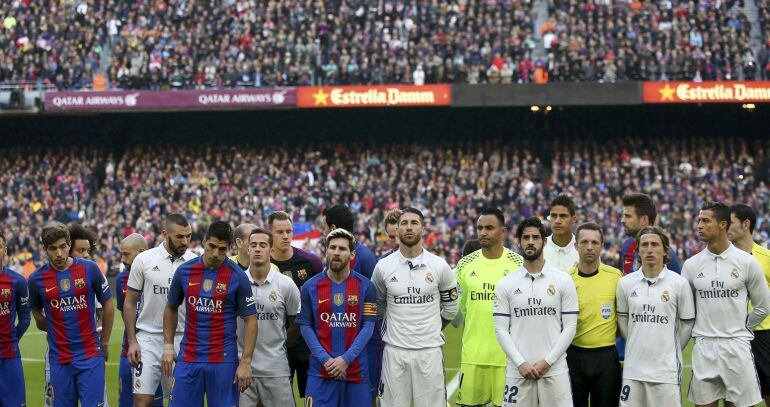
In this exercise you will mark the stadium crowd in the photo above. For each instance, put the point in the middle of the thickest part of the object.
(185, 44)
(133, 191)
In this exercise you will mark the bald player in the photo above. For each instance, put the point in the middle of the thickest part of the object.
(241, 237)
(130, 247)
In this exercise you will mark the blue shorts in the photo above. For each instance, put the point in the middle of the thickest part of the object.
(125, 391)
(80, 380)
(190, 380)
(620, 344)
(337, 393)
(374, 359)
(12, 393)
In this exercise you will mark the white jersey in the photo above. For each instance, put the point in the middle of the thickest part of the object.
(535, 304)
(722, 285)
(654, 308)
(276, 300)
(563, 258)
(415, 295)
(151, 274)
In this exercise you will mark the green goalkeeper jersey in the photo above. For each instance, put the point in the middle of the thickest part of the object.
(477, 277)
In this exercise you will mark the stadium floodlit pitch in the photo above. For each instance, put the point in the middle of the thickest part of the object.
(33, 347)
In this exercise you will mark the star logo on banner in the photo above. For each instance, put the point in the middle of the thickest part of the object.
(321, 98)
(667, 93)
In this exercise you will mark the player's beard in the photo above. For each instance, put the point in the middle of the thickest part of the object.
(177, 251)
(337, 266)
(533, 257)
(409, 242)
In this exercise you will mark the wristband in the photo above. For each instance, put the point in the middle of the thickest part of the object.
(168, 348)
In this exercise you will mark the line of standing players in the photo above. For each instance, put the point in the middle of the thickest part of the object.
(241, 333)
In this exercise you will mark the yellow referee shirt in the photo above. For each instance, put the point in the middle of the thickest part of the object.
(597, 324)
(762, 256)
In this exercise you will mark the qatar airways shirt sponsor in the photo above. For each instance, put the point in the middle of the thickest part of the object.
(68, 298)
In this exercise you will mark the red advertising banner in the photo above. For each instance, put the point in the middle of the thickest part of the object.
(171, 100)
(374, 96)
(705, 92)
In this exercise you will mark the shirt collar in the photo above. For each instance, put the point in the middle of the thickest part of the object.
(722, 256)
(270, 276)
(415, 262)
(661, 276)
(566, 249)
(166, 254)
(543, 272)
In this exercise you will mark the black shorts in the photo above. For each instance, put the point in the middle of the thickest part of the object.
(594, 374)
(760, 348)
(299, 361)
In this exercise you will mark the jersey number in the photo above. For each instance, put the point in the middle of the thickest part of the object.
(509, 395)
(624, 392)
(138, 369)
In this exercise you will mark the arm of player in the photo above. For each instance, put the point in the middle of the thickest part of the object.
(306, 321)
(316, 349)
(22, 307)
(622, 309)
(101, 288)
(108, 316)
(447, 286)
(502, 319)
(170, 320)
(292, 309)
(686, 314)
(339, 366)
(133, 351)
(381, 288)
(758, 292)
(369, 316)
(36, 303)
(461, 299)
(243, 373)
(569, 314)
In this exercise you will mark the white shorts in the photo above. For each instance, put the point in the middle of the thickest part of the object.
(637, 393)
(551, 391)
(723, 369)
(412, 376)
(268, 392)
(147, 375)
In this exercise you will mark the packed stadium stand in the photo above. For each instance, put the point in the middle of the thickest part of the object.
(186, 44)
(116, 194)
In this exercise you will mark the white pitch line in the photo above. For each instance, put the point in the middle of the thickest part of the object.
(453, 385)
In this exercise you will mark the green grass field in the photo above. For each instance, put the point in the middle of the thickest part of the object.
(33, 347)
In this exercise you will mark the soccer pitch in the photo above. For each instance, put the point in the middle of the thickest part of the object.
(33, 347)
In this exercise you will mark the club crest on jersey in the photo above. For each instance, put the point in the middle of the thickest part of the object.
(352, 300)
(302, 274)
(665, 296)
(65, 284)
(80, 283)
(273, 296)
(429, 277)
(207, 284)
(734, 273)
(5, 293)
(221, 288)
(453, 294)
(606, 310)
(551, 289)
(339, 299)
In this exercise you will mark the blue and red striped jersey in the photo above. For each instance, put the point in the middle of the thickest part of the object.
(14, 302)
(364, 261)
(68, 299)
(336, 313)
(213, 300)
(631, 262)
